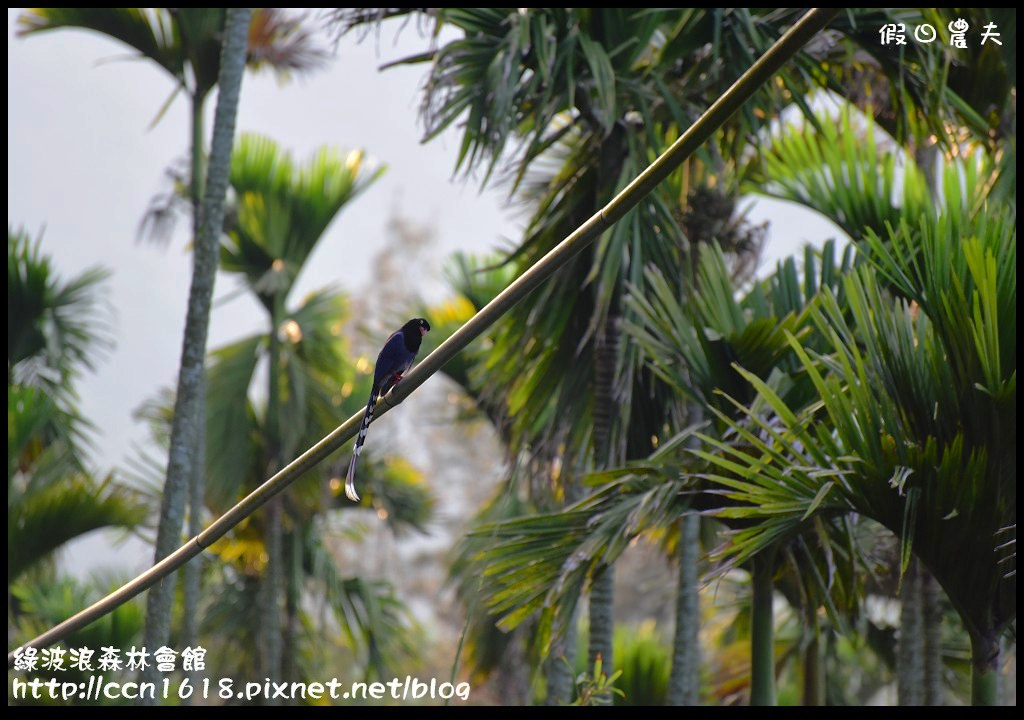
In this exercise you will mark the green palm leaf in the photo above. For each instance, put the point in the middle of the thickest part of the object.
(232, 424)
(153, 32)
(41, 519)
(847, 171)
(187, 39)
(281, 210)
(912, 426)
(55, 327)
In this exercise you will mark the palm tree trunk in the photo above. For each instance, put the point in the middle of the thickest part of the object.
(197, 478)
(270, 612)
(196, 189)
(293, 587)
(513, 671)
(931, 599)
(814, 665)
(910, 648)
(602, 619)
(270, 596)
(561, 661)
(984, 671)
(762, 641)
(193, 570)
(602, 590)
(684, 678)
(683, 683)
(928, 159)
(181, 457)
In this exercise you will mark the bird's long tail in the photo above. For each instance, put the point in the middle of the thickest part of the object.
(350, 477)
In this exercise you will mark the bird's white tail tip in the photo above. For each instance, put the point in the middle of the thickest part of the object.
(350, 478)
(350, 490)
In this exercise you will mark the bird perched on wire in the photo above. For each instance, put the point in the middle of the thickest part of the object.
(394, 359)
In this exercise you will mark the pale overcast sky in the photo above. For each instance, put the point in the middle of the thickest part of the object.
(83, 164)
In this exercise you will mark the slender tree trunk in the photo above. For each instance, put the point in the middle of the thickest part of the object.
(181, 457)
(814, 665)
(561, 661)
(762, 640)
(561, 674)
(197, 478)
(984, 670)
(196, 187)
(270, 596)
(931, 599)
(684, 680)
(910, 648)
(293, 589)
(194, 569)
(270, 612)
(602, 591)
(513, 671)
(925, 611)
(602, 619)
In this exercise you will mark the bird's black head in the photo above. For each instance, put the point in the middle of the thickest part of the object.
(413, 332)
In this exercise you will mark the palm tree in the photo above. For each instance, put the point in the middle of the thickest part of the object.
(797, 166)
(689, 345)
(825, 169)
(803, 167)
(52, 497)
(280, 212)
(56, 329)
(559, 85)
(912, 417)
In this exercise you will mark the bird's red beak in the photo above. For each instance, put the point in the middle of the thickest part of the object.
(423, 331)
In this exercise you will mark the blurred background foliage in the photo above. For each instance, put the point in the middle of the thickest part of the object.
(663, 458)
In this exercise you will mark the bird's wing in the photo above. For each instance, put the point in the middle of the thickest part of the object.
(390, 360)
